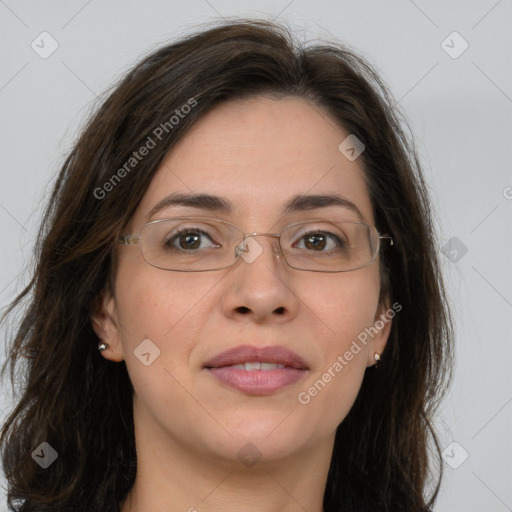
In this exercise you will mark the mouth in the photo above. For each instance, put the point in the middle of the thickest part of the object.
(257, 371)
(257, 365)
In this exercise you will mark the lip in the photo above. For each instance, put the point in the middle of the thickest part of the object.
(247, 353)
(257, 382)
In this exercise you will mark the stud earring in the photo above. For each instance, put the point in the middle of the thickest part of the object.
(102, 346)
(377, 358)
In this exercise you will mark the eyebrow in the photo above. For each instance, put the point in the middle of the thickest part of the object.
(211, 203)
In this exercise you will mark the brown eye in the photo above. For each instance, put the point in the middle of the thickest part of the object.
(190, 240)
(320, 242)
(315, 242)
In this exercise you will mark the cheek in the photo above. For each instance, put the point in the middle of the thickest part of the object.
(161, 314)
(344, 308)
(153, 302)
(344, 305)
(329, 395)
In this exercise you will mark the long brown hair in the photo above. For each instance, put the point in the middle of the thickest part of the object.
(81, 404)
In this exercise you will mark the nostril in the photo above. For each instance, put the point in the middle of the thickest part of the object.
(243, 309)
(279, 311)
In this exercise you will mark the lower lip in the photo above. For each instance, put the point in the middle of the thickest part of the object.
(257, 382)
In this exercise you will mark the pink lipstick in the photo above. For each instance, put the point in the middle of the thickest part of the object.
(257, 370)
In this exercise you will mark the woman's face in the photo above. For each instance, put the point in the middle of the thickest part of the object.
(257, 156)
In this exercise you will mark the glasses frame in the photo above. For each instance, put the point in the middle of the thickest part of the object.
(136, 239)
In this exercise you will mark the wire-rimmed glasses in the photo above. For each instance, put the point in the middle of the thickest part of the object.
(198, 244)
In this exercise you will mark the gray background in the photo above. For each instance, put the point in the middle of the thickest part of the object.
(459, 110)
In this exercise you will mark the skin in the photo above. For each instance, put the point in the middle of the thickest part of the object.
(189, 426)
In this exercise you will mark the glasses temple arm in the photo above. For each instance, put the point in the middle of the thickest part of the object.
(387, 237)
(129, 239)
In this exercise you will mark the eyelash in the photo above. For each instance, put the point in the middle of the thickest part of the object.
(327, 234)
(186, 231)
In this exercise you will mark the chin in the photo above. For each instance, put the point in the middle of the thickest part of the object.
(267, 439)
(251, 451)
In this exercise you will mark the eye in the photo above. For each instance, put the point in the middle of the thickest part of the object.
(190, 239)
(319, 242)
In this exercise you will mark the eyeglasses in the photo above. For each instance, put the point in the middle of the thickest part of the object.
(197, 244)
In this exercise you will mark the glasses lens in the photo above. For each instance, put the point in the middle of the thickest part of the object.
(329, 246)
(190, 244)
(198, 244)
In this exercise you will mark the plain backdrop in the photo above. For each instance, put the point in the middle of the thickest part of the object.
(448, 65)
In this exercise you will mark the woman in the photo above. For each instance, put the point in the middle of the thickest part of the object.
(240, 234)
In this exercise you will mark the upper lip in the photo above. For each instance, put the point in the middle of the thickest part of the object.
(248, 353)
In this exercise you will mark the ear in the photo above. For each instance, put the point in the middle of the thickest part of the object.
(379, 331)
(106, 325)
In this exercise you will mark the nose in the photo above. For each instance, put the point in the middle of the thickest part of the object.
(260, 284)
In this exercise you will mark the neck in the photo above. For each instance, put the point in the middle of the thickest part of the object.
(172, 477)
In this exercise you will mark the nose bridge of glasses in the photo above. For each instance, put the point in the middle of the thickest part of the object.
(241, 247)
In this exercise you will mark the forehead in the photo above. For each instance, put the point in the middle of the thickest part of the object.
(258, 153)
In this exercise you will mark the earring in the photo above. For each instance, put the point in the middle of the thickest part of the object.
(102, 346)
(377, 358)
